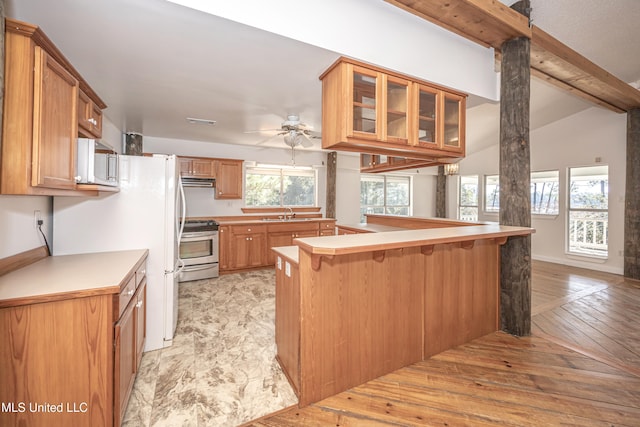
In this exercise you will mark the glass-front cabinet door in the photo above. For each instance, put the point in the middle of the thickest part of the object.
(396, 110)
(365, 102)
(453, 133)
(428, 100)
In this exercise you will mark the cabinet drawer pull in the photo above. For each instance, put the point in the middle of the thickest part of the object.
(139, 304)
(131, 292)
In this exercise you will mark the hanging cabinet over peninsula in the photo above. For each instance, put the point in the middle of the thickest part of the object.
(371, 110)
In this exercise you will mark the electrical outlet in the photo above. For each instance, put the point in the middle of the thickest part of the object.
(37, 217)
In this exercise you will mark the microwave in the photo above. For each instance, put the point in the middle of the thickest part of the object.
(97, 163)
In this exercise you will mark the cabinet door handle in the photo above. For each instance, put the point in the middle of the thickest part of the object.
(131, 292)
(139, 304)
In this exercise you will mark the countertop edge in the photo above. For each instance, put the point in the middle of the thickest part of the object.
(368, 242)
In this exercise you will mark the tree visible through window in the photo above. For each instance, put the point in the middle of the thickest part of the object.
(280, 186)
(588, 231)
(544, 188)
(468, 203)
(385, 194)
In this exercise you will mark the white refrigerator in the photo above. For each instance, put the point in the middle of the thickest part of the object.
(147, 212)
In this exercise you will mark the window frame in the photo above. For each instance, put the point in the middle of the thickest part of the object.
(282, 172)
(477, 205)
(532, 177)
(385, 206)
(570, 209)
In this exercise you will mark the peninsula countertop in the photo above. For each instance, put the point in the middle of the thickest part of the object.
(68, 276)
(367, 242)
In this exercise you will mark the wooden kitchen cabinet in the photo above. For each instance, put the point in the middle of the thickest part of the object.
(78, 344)
(40, 115)
(130, 332)
(371, 110)
(376, 163)
(224, 248)
(282, 234)
(245, 246)
(89, 117)
(327, 228)
(248, 246)
(228, 179)
(55, 126)
(197, 167)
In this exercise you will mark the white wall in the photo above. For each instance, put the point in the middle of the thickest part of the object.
(200, 201)
(17, 226)
(572, 142)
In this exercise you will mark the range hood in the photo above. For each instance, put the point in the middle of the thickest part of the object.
(198, 182)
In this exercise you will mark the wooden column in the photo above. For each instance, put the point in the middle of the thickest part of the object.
(441, 194)
(332, 167)
(632, 198)
(515, 203)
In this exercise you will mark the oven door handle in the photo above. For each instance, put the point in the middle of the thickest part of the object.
(197, 267)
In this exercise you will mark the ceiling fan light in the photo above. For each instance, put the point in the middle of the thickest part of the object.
(292, 138)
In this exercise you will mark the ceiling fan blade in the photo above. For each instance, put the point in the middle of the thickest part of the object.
(262, 130)
(306, 141)
(269, 139)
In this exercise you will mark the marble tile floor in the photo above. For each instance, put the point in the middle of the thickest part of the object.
(221, 369)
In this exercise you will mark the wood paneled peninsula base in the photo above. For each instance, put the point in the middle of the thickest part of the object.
(351, 308)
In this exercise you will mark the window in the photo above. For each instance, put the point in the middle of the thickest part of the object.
(385, 194)
(280, 186)
(492, 193)
(468, 202)
(588, 230)
(543, 189)
(544, 193)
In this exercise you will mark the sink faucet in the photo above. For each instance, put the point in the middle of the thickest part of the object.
(291, 213)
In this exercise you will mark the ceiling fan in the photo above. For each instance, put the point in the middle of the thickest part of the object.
(295, 132)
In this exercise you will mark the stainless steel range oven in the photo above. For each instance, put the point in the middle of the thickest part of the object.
(199, 250)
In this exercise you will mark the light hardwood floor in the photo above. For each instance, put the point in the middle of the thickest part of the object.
(580, 367)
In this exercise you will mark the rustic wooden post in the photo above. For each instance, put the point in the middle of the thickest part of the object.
(515, 201)
(332, 167)
(632, 198)
(441, 193)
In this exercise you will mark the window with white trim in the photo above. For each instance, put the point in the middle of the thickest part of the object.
(385, 194)
(468, 198)
(544, 192)
(278, 186)
(544, 187)
(492, 193)
(588, 229)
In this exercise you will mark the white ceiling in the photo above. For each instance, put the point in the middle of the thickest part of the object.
(155, 63)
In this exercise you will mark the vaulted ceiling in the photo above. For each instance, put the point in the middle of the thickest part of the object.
(155, 63)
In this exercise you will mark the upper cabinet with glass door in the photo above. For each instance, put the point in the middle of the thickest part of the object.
(371, 110)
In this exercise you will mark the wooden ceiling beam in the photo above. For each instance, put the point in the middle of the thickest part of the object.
(552, 58)
(491, 23)
(486, 22)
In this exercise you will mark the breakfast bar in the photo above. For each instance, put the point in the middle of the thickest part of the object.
(351, 308)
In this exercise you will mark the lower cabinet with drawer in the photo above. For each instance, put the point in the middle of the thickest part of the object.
(70, 358)
(129, 333)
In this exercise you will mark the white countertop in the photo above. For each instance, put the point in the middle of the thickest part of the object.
(367, 242)
(73, 275)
